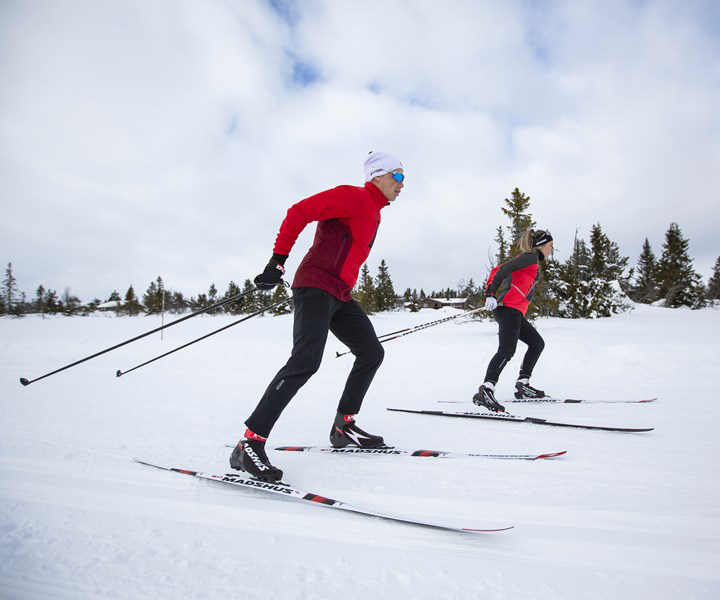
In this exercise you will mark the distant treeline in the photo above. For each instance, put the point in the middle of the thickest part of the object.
(593, 282)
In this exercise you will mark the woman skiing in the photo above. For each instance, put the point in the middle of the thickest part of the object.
(510, 288)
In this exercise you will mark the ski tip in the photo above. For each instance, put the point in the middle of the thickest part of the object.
(648, 400)
(550, 455)
(470, 530)
(149, 464)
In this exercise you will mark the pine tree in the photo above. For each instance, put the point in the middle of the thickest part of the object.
(279, 294)
(546, 295)
(198, 303)
(233, 308)
(52, 303)
(205, 300)
(410, 298)
(40, 304)
(212, 298)
(252, 302)
(414, 301)
(364, 291)
(471, 292)
(713, 286)
(589, 284)
(520, 220)
(176, 302)
(132, 305)
(678, 283)
(573, 287)
(645, 289)
(10, 292)
(384, 290)
(503, 252)
(154, 297)
(606, 271)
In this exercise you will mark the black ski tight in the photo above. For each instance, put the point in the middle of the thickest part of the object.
(513, 326)
(316, 313)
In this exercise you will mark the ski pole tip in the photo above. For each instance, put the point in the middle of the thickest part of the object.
(118, 373)
(24, 381)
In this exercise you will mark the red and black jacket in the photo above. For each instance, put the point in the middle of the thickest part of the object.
(513, 283)
(348, 219)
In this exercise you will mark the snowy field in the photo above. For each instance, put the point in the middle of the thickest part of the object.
(621, 516)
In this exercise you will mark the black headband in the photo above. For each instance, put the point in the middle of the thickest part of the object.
(541, 238)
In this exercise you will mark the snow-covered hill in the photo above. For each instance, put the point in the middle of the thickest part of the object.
(620, 516)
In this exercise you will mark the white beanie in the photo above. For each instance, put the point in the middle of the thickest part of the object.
(379, 163)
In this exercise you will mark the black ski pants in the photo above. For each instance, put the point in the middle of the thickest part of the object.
(316, 313)
(513, 326)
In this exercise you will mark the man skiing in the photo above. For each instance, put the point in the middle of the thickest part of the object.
(348, 219)
(510, 288)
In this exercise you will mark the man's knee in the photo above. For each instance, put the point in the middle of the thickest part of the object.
(304, 364)
(372, 355)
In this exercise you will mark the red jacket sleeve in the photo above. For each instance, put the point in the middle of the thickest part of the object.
(336, 203)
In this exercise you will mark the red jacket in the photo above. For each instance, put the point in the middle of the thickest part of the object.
(349, 218)
(513, 282)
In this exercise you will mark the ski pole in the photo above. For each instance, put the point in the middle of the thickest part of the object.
(119, 373)
(403, 332)
(25, 381)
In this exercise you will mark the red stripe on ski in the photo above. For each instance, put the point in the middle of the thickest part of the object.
(319, 499)
(426, 453)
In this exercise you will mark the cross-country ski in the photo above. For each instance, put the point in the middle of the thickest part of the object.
(508, 418)
(550, 400)
(287, 491)
(415, 453)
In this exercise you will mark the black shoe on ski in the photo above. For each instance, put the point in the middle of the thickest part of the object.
(250, 456)
(345, 432)
(486, 397)
(524, 391)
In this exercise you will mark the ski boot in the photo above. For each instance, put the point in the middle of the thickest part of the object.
(524, 391)
(486, 397)
(345, 432)
(250, 456)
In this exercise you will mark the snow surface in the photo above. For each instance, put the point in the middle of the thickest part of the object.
(620, 516)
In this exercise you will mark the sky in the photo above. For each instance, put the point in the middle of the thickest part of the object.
(170, 137)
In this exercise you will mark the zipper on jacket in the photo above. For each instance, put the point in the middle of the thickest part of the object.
(519, 291)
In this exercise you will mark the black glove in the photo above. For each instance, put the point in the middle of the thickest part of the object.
(272, 275)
